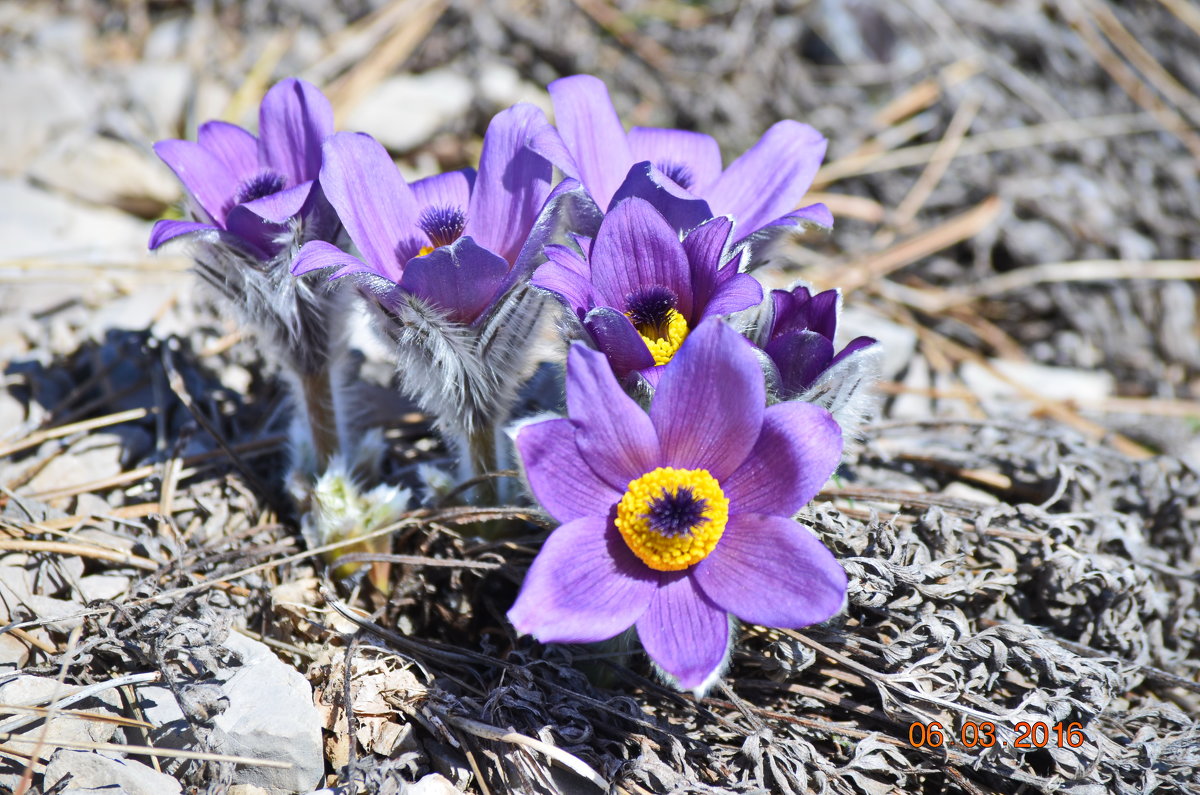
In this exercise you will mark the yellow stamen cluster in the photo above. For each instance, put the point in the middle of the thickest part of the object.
(426, 250)
(664, 340)
(677, 551)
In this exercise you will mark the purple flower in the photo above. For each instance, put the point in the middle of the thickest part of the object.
(457, 240)
(639, 290)
(680, 170)
(674, 519)
(246, 186)
(798, 337)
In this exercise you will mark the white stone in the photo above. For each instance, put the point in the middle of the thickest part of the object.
(501, 86)
(39, 224)
(91, 772)
(159, 91)
(433, 784)
(897, 342)
(38, 691)
(42, 101)
(1052, 383)
(405, 111)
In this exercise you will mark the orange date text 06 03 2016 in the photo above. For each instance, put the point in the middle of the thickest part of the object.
(983, 735)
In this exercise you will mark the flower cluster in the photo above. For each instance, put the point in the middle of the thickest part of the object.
(700, 417)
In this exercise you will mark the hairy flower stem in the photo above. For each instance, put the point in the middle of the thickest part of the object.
(321, 413)
(481, 458)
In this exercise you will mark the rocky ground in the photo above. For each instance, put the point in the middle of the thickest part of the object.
(1016, 191)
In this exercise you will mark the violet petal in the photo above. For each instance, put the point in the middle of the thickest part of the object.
(768, 570)
(592, 131)
(374, 202)
(513, 182)
(318, 255)
(695, 158)
(682, 210)
(584, 586)
(451, 189)
(279, 207)
(564, 483)
(635, 249)
(203, 174)
(771, 178)
(236, 148)
(620, 342)
(798, 450)
(739, 291)
(294, 120)
(613, 433)
(709, 405)
(706, 247)
(561, 275)
(685, 632)
(853, 346)
(463, 279)
(801, 357)
(168, 229)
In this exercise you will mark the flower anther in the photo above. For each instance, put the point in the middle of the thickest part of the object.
(673, 518)
(659, 324)
(442, 225)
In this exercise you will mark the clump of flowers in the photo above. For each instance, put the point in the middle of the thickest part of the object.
(699, 418)
(252, 203)
(676, 519)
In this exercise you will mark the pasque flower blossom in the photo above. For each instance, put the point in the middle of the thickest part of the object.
(673, 520)
(639, 290)
(797, 334)
(457, 241)
(245, 187)
(681, 171)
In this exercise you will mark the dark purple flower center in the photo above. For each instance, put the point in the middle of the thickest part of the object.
(262, 183)
(442, 224)
(681, 174)
(650, 307)
(676, 513)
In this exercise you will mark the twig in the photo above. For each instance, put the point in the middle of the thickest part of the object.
(990, 141)
(37, 437)
(953, 230)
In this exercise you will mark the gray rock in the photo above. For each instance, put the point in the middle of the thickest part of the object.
(269, 715)
(37, 691)
(106, 171)
(405, 111)
(93, 773)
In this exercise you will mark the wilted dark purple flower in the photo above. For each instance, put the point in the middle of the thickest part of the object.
(455, 240)
(639, 291)
(682, 171)
(797, 334)
(675, 519)
(246, 186)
